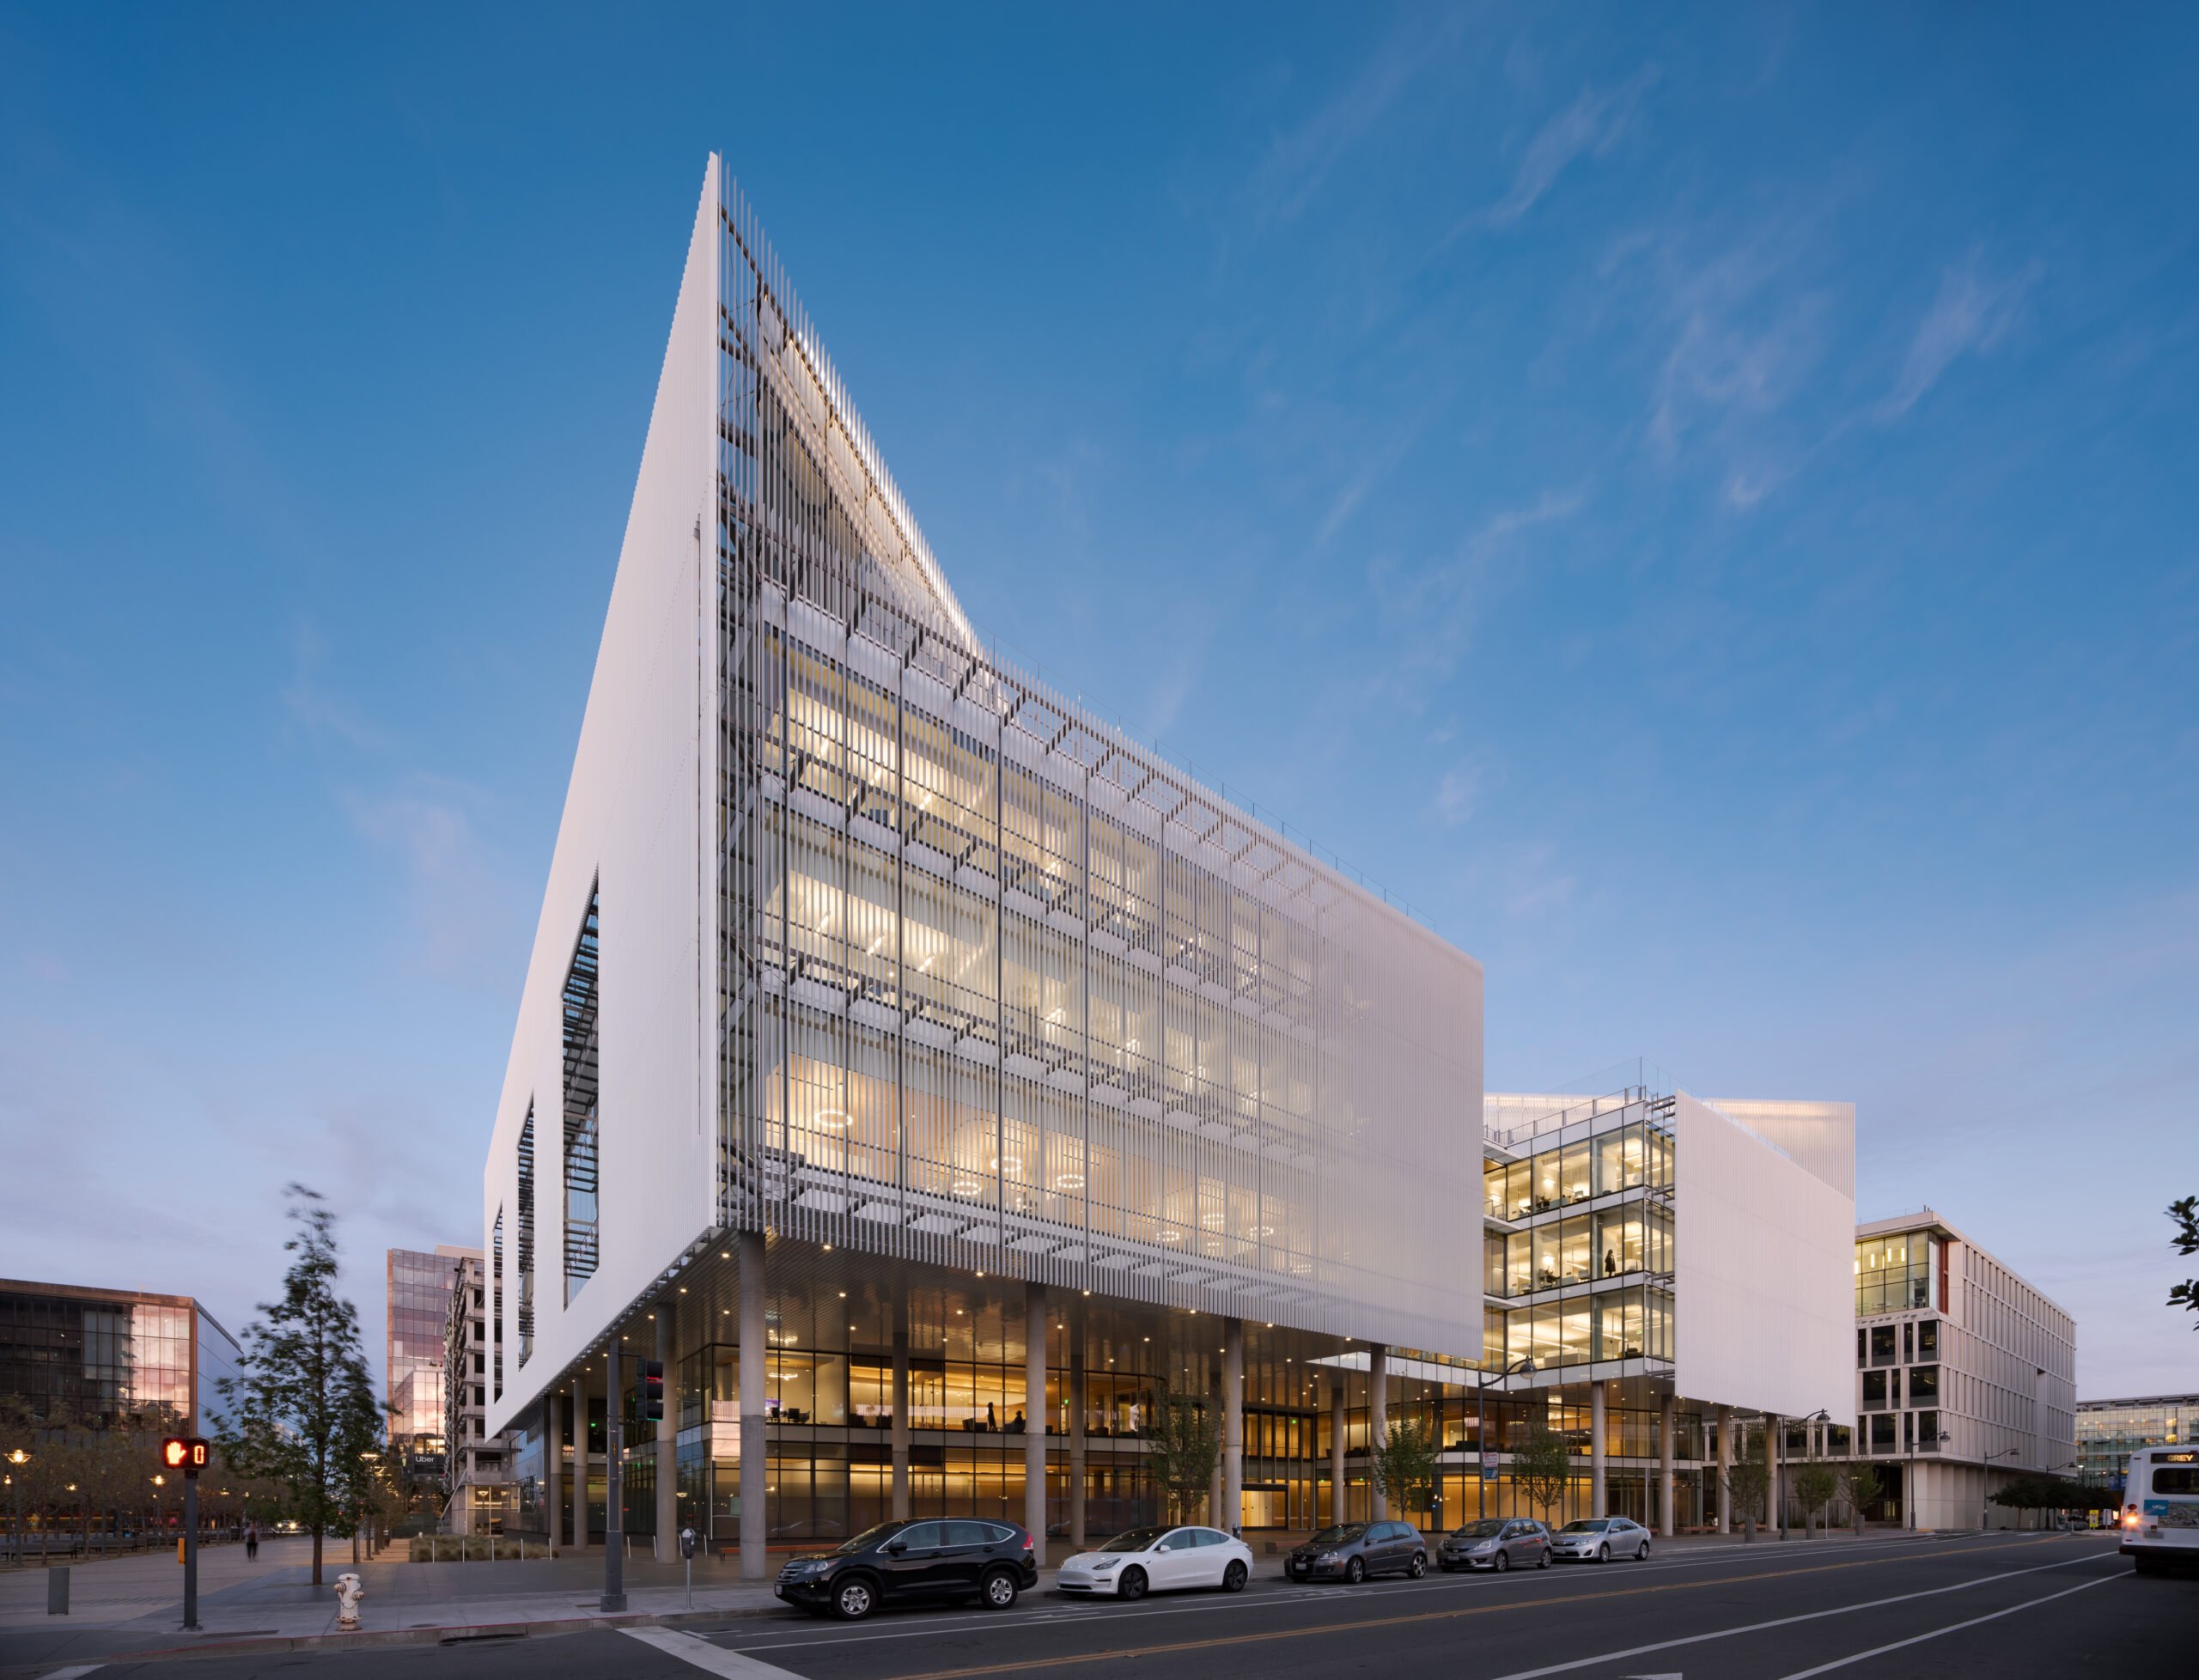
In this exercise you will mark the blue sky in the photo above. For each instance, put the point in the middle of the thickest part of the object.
(1705, 511)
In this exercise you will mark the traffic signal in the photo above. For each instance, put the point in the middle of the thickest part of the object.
(185, 1452)
(652, 1390)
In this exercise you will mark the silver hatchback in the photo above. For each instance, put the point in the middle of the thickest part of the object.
(1495, 1543)
(1600, 1539)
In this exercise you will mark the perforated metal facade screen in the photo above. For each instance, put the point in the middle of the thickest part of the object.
(996, 979)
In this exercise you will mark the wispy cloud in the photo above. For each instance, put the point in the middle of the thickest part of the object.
(1299, 160)
(1461, 789)
(1591, 124)
(314, 706)
(464, 904)
(1973, 315)
(1431, 613)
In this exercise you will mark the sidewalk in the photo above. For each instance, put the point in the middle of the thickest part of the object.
(134, 1606)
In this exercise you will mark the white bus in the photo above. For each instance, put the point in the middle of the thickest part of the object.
(2160, 1506)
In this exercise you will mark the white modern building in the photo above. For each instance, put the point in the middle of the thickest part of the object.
(908, 1041)
(1965, 1374)
(936, 1081)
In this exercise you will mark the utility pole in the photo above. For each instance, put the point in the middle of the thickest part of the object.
(614, 1517)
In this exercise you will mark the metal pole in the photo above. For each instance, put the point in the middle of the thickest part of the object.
(614, 1516)
(191, 1552)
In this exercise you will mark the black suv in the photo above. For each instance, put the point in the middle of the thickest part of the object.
(913, 1562)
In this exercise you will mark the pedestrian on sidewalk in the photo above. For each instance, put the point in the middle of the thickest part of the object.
(251, 1542)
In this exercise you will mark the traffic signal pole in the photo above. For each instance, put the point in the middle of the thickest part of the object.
(190, 1549)
(614, 1515)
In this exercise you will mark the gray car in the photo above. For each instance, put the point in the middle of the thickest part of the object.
(1353, 1551)
(1600, 1539)
(1495, 1543)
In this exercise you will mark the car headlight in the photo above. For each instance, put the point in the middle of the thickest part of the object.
(1104, 1565)
(1328, 1557)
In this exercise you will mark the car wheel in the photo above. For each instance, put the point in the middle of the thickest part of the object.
(1641, 1553)
(1235, 1577)
(1603, 1554)
(999, 1590)
(1355, 1571)
(1501, 1562)
(1541, 1560)
(854, 1599)
(1419, 1566)
(1133, 1585)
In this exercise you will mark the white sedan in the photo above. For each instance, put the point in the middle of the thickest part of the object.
(1158, 1560)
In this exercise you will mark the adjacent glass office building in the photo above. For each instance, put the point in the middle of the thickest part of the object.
(2110, 1431)
(420, 1285)
(90, 1354)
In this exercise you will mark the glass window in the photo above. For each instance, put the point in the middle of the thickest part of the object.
(919, 1536)
(1924, 1385)
(1927, 1339)
(1882, 1344)
(970, 1534)
(1573, 1263)
(2176, 1479)
(1573, 1174)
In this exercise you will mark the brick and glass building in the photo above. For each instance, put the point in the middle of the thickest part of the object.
(477, 1475)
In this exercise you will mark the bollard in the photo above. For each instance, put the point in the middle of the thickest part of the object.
(57, 1590)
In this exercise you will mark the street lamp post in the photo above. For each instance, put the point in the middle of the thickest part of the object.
(18, 1458)
(1523, 1366)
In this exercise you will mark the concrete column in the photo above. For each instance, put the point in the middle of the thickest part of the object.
(580, 1461)
(1665, 1422)
(1232, 1425)
(668, 1439)
(900, 1407)
(1035, 1418)
(1775, 1445)
(1596, 1450)
(1725, 1464)
(1077, 1455)
(753, 1353)
(1377, 1423)
(553, 1458)
(1339, 1497)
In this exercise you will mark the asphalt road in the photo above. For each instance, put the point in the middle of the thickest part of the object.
(2000, 1605)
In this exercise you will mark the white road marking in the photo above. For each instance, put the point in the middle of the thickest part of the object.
(73, 1671)
(714, 1659)
(1788, 1621)
(1953, 1628)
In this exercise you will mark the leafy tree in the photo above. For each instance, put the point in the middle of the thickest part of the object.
(1182, 1447)
(1858, 1486)
(2186, 1242)
(1404, 1463)
(1542, 1468)
(1815, 1484)
(303, 1413)
(1748, 1479)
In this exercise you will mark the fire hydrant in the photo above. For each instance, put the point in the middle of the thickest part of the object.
(349, 1590)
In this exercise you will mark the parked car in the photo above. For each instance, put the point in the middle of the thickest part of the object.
(1600, 1538)
(918, 1562)
(1494, 1543)
(1353, 1551)
(1158, 1560)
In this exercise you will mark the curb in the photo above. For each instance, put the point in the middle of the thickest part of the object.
(367, 1638)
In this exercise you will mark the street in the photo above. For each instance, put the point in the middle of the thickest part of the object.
(2001, 1604)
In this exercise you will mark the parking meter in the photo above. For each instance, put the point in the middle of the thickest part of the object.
(687, 1543)
(687, 1553)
